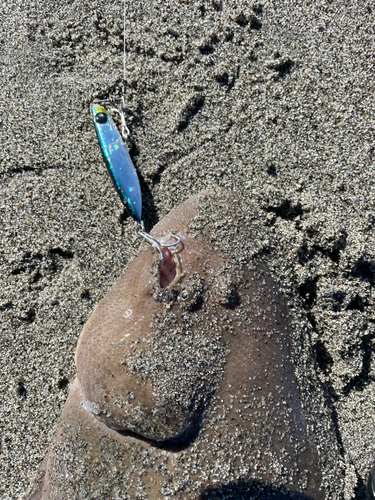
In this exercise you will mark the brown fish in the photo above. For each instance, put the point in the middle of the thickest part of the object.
(184, 385)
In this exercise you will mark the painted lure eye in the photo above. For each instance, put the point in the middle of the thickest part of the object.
(101, 118)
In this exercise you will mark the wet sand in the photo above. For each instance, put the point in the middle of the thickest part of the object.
(272, 100)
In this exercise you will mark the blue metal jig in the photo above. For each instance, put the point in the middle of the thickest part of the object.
(122, 171)
(118, 161)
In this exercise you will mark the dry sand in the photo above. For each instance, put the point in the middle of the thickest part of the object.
(271, 99)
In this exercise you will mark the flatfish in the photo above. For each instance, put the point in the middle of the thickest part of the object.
(185, 386)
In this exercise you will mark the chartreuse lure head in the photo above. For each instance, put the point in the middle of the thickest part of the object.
(118, 161)
(100, 114)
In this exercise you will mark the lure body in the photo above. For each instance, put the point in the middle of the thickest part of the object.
(118, 161)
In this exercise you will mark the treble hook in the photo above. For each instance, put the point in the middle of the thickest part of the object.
(140, 229)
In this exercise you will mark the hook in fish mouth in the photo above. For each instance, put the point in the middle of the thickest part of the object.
(154, 242)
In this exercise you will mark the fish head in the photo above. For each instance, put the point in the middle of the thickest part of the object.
(153, 313)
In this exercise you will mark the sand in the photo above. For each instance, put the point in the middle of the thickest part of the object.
(270, 99)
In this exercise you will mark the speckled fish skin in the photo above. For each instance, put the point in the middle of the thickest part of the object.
(194, 400)
(118, 161)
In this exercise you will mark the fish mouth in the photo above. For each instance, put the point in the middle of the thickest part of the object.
(170, 271)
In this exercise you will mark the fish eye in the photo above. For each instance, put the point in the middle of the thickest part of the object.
(101, 117)
(191, 292)
(225, 293)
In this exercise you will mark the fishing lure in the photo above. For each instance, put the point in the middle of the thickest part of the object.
(122, 170)
(118, 161)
